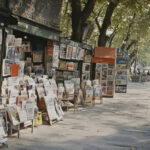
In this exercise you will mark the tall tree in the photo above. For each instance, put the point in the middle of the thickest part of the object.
(103, 38)
(79, 17)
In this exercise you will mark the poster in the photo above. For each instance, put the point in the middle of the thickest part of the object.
(12, 113)
(80, 53)
(30, 105)
(7, 65)
(15, 70)
(38, 56)
(56, 56)
(10, 52)
(86, 67)
(49, 101)
(62, 51)
(74, 52)
(69, 52)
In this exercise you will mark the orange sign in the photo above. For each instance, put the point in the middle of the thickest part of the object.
(103, 60)
(15, 70)
(105, 52)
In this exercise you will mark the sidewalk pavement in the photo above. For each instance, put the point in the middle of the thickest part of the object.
(120, 123)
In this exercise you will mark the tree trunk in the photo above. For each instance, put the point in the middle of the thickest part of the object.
(106, 23)
(80, 17)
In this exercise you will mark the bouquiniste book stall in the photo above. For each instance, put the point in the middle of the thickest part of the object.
(104, 63)
(69, 60)
(121, 71)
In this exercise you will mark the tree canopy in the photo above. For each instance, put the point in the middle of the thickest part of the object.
(112, 23)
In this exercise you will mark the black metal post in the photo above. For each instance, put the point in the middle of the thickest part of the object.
(2, 56)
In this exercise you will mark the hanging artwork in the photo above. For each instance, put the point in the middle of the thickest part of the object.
(10, 52)
(69, 52)
(7, 66)
(55, 56)
(62, 51)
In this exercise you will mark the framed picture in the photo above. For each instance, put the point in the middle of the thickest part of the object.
(80, 53)
(87, 58)
(86, 76)
(10, 52)
(7, 66)
(86, 67)
(74, 52)
(63, 51)
(69, 52)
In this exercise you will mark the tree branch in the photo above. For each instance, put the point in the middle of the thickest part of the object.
(131, 44)
(112, 36)
(128, 33)
(107, 22)
(89, 6)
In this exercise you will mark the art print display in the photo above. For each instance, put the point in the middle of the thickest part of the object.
(7, 67)
(86, 67)
(80, 53)
(63, 50)
(105, 73)
(86, 76)
(55, 63)
(97, 91)
(74, 52)
(10, 53)
(30, 105)
(121, 71)
(89, 92)
(13, 115)
(50, 107)
(87, 58)
(37, 56)
(22, 115)
(69, 52)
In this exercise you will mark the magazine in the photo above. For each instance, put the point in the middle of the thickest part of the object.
(7, 65)
(80, 53)
(74, 52)
(10, 52)
(63, 51)
(86, 67)
(69, 52)
(37, 56)
(55, 56)
(87, 58)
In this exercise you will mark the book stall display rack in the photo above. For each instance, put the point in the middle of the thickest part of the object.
(38, 86)
(121, 71)
(69, 60)
(105, 63)
(86, 65)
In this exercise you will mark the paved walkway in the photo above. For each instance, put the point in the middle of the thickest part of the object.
(118, 124)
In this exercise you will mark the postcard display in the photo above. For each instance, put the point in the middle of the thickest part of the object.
(86, 65)
(71, 56)
(105, 69)
(121, 71)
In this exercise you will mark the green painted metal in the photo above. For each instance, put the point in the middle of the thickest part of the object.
(34, 30)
